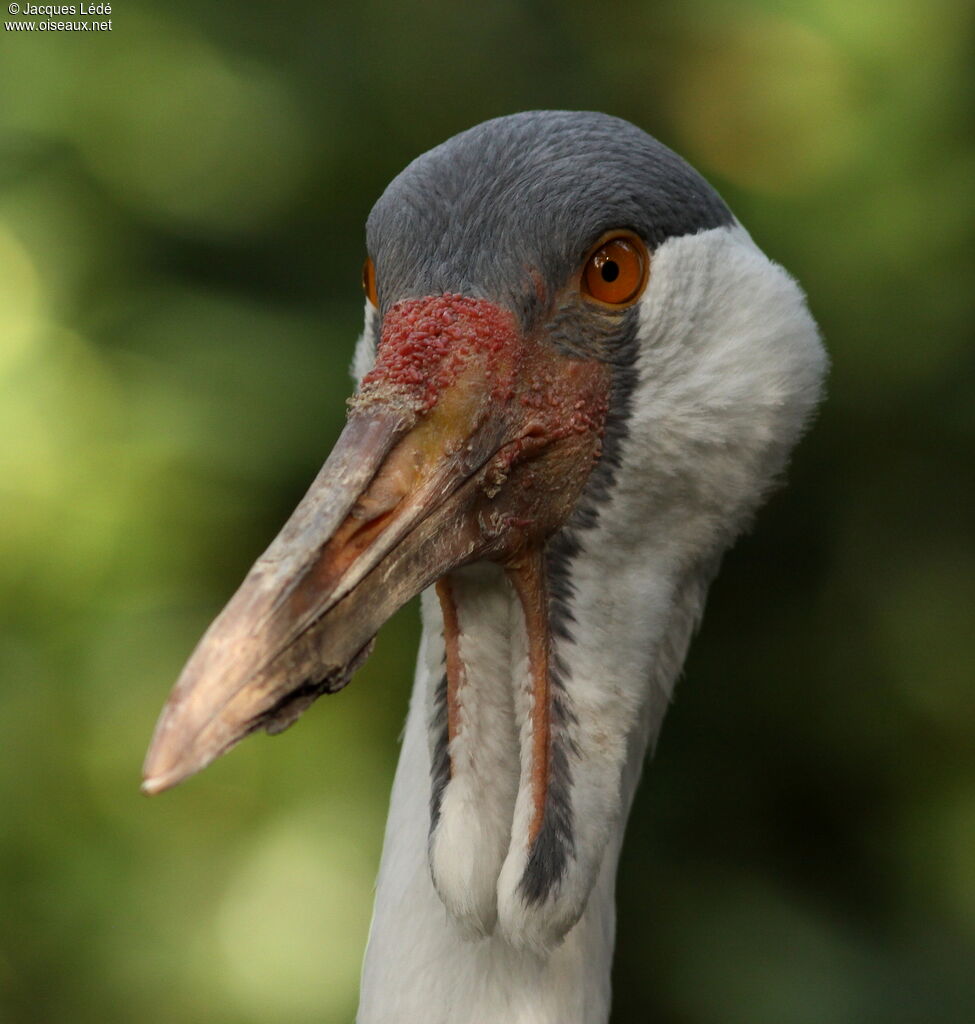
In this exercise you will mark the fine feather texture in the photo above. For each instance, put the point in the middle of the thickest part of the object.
(728, 372)
(470, 840)
(534, 189)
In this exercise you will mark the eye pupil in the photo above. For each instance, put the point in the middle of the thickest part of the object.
(610, 270)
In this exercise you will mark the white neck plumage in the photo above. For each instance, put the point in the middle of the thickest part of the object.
(720, 396)
(424, 966)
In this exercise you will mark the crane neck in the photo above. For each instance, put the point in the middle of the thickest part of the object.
(422, 964)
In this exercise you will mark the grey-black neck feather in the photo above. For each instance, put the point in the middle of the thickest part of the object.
(555, 844)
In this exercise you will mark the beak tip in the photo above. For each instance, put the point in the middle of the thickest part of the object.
(157, 780)
(155, 784)
(161, 771)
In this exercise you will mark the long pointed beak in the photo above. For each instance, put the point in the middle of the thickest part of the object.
(445, 459)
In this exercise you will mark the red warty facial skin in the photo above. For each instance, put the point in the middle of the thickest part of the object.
(428, 344)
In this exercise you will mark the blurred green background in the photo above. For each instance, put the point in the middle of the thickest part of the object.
(181, 211)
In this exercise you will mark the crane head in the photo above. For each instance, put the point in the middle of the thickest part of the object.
(575, 363)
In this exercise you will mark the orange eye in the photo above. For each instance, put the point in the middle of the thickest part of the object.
(616, 270)
(369, 282)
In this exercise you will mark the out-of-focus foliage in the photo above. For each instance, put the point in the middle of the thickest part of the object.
(181, 209)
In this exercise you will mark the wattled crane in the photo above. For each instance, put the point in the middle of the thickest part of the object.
(578, 378)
